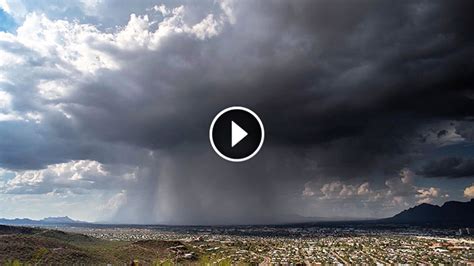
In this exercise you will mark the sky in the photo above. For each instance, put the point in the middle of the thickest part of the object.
(105, 107)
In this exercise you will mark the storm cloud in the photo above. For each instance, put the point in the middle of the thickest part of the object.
(451, 167)
(351, 95)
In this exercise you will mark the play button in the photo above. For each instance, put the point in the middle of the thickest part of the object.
(236, 134)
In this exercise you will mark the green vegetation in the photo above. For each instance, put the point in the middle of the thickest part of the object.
(27, 246)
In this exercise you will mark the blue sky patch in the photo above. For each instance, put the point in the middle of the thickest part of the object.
(7, 23)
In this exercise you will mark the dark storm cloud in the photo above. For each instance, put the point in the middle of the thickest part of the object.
(466, 129)
(319, 73)
(442, 133)
(344, 89)
(337, 69)
(451, 167)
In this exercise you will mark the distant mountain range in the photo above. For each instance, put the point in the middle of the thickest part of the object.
(450, 213)
(45, 221)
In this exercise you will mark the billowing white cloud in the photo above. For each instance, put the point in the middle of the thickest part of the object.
(426, 195)
(71, 53)
(4, 5)
(14, 8)
(308, 191)
(364, 189)
(397, 194)
(469, 192)
(339, 190)
(71, 177)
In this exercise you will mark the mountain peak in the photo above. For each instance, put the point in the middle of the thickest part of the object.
(425, 205)
(59, 219)
(450, 213)
(47, 220)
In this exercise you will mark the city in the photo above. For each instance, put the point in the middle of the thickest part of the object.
(301, 245)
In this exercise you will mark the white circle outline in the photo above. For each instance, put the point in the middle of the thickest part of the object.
(242, 109)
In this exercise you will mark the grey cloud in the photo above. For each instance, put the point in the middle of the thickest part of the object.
(343, 89)
(466, 129)
(285, 67)
(450, 167)
(442, 133)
